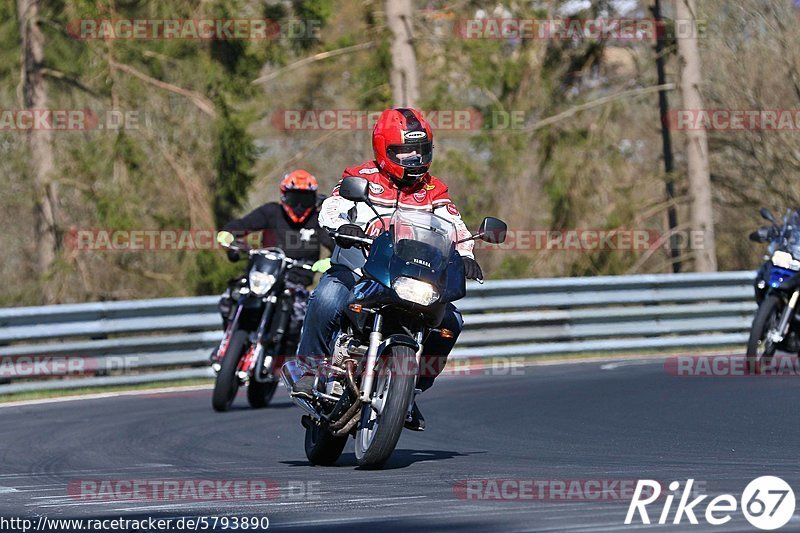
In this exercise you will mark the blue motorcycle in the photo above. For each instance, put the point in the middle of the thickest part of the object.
(777, 291)
(366, 388)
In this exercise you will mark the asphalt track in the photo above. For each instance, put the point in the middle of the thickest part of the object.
(587, 421)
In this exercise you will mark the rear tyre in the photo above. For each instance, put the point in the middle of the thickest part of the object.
(761, 349)
(227, 384)
(378, 434)
(322, 448)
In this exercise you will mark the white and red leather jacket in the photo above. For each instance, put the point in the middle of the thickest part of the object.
(430, 195)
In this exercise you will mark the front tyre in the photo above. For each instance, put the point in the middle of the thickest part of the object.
(322, 448)
(380, 430)
(260, 394)
(760, 347)
(227, 384)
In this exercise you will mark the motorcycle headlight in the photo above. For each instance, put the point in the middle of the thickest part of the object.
(261, 282)
(785, 260)
(414, 290)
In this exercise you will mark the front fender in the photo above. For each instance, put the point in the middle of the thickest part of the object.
(398, 339)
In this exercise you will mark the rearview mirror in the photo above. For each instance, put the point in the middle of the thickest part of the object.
(354, 189)
(766, 214)
(493, 230)
(760, 235)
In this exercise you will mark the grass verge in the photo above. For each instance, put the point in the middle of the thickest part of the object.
(58, 393)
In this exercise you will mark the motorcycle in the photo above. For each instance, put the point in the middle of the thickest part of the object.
(366, 388)
(250, 352)
(777, 286)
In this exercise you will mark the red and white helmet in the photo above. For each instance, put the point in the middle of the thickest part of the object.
(403, 144)
(299, 195)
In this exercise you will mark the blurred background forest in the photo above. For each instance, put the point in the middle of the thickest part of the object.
(207, 147)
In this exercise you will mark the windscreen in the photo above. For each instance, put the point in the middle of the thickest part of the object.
(793, 235)
(422, 238)
(267, 262)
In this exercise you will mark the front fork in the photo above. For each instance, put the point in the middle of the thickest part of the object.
(375, 340)
(246, 367)
(283, 308)
(419, 337)
(226, 336)
(782, 330)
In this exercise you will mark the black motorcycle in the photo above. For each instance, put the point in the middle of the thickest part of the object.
(366, 388)
(252, 349)
(777, 287)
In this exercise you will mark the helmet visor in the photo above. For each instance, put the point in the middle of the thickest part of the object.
(411, 155)
(299, 201)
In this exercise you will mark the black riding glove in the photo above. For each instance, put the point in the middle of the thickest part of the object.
(472, 269)
(352, 230)
(233, 256)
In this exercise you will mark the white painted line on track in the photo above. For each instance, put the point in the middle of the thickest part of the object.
(620, 364)
(105, 395)
(92, 471)
(218, 504)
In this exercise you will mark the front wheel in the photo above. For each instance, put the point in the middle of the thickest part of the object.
(227, 384)
(260, 394)
(760, 347)
(382, 421)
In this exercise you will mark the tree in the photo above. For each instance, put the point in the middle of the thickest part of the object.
(39, 142)
(404, 77)
(700, 210)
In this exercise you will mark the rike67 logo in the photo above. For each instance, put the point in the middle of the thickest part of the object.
(767, 502)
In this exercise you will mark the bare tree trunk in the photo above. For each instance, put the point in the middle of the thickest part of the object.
(34, 94)
(701, 215)
(666, 141)
(120, 169)
(404, 77)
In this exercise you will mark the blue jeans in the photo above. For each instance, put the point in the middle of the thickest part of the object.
(323, 319)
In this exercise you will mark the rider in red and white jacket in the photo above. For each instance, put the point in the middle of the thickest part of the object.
(428, 194)
(398, 178)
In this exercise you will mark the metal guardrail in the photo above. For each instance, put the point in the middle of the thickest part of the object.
(167, 339)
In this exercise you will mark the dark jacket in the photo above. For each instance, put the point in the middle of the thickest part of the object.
(300, 241)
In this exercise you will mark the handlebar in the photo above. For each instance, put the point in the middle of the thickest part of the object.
(239, 246)
(293, 263)
(360, 240)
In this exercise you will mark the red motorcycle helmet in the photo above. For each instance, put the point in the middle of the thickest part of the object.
(298, 195)
(403, 144)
